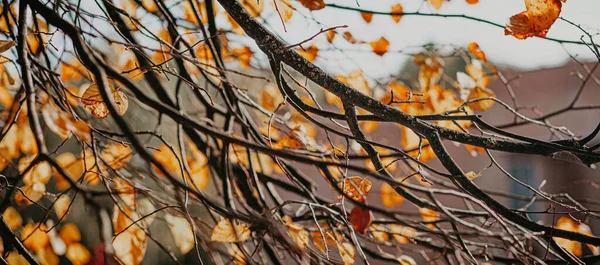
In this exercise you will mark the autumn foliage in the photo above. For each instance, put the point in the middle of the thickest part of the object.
(189, 131)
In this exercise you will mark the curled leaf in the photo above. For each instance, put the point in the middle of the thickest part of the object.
(355, 187)
(536, 20)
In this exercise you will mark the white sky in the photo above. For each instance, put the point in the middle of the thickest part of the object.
(412, 31)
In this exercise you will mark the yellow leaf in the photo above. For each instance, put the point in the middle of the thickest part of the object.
(130, 245)
(149, 5)
(472, 175)
(236, 254)
(397, 8)
(430, 72)
(312, 4)
(69, 233)
(46, 256)
(473, 48)
(330, 35)
(30, 193)
(406, 260)
(228, 230)
(12, 218)
(355, 187)
(72, 165)
(61, 205)
(379, 233)
(367, 16)
(116, 155)
(270, 97)
(297, 232)
(285, 9)
(309, 53)
(34, 236)
(253, 7)
(78, 254)
(243, 54)
(389, 197)
(182, 232)
(40, 172)
(436, 3)
(428, 216)
(63, 124)
(347, 253)
(6, 44)
(566, 223)
(536, 20)
(479, 92)
(402, 233)
(380, 46)
(92, 101)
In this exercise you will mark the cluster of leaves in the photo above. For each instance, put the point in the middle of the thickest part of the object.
(180, 126)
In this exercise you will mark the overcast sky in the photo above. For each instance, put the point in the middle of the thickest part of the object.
(414, 31)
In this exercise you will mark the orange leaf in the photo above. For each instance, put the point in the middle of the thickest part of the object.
(30, 193)
(367, 16)
(12, 218)
(379, 232)
(34, 236)
(536, 20)
(436, 3)
(253, 7)
(243, 54)
(389, 197)
(347, 253)
(330, 35)
(313, 4)
(116, 155)
(472, 2)
(397, 8)
(309, 53)
(380, 47)
(285, 9)
(355, 187)
(360, 219)
(70, 234)
(473, 48)
(78, 254)
(402, 233)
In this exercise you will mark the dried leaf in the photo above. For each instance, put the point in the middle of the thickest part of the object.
(380, 46)
(355, 187)
(6, 44)
(313, 4)
(347, 253)
(228, 230)
(297, 232)
(479, 92)
(472, 2)
(270, 97)
(130, 245)
(253, 7)
(360, 219)
(93, 102)
(536, 20)
(243, 54)
(182, 232)
(236, 254)
(397, 8)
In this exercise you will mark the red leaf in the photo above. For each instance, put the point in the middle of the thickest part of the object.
(361, 219)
